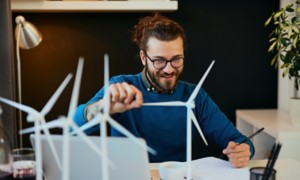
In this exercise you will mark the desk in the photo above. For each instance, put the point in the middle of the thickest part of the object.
(278, 127)
(287, 169)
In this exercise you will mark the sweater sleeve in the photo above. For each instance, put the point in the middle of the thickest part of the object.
(216, 125)
(79, 117)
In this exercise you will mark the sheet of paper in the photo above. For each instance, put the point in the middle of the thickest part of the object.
(213, 168)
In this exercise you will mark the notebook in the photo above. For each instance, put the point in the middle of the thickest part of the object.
(130, 159)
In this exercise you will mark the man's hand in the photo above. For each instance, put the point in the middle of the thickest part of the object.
(123, 96)
(238, 154)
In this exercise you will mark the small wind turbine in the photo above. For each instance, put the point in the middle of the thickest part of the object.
(38, 118)
(66, 122)
(190, 104)
(103, 118)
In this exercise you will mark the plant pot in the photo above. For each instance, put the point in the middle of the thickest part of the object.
(295, 111)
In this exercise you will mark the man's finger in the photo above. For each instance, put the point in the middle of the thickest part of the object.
(138, 96)
(122, 92)
(114, 92)
(130, 93)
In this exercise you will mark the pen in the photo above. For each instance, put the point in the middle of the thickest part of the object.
(223, 156)
(251, 136)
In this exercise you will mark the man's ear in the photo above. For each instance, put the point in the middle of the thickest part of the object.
(143, 57)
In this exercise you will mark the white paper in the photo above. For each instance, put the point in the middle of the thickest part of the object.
(211, 168)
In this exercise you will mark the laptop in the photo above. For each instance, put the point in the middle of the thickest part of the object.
(130, 159)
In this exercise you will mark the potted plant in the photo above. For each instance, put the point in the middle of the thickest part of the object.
(285, 43)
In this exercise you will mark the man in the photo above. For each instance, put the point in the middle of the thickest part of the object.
(162, 45)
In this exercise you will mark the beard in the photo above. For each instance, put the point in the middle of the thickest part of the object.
(162, 86)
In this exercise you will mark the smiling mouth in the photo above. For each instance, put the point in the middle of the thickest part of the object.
(168, 77)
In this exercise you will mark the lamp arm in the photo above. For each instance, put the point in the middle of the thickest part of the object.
(19, 82)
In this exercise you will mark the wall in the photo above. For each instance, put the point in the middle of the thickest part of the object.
(232, 32)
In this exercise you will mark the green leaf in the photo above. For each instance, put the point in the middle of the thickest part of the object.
(277, 14)
(294, 19)
(289, 8)
(272, 39)
(295, 41)
(289, 56)
(285, 28)
(269, 20)
(285, 72)
(296, 30)
(293, 72)
(298, 9)
(284, 41)
(271, 48)
(274, 60)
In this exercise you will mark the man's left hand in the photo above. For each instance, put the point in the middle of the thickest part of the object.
(238, 154)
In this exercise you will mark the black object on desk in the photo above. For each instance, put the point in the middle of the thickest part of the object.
(272, 160)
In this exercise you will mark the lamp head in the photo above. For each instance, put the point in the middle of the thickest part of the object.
(29, 35)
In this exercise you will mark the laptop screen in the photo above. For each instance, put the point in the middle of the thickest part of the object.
(130, 159)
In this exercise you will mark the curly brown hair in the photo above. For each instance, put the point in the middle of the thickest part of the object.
(157, 26)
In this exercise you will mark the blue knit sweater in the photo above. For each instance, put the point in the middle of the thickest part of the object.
(164, 127)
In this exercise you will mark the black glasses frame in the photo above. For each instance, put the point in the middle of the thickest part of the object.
(165, 62)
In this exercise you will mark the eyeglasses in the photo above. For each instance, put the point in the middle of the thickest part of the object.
(161, 63)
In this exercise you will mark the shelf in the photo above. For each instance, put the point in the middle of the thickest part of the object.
(93, 6)
(278, 128)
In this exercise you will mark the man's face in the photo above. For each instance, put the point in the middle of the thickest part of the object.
(163, 80)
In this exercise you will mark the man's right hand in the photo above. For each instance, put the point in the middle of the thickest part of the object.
(123, 96)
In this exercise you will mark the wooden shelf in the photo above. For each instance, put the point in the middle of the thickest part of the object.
(92, 6)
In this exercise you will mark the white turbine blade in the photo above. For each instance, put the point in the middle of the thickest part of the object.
(96, 120)
(49, 125)
(75, 92)
(172, 103)
(194, 119)
(22, 107)
(51, 144)
(55, 96)
(106, 84)
(196, 90)
(27, 130)
(85, 138)
(120, 128)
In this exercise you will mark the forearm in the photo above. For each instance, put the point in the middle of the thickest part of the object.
(91, 110)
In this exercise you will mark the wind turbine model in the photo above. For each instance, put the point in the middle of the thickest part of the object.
(66, 122)
(102, 118)
(190, 104)
(38, 118)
